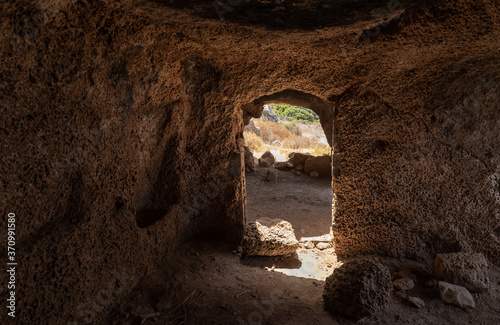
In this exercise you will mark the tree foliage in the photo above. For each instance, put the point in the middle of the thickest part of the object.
(295, 113)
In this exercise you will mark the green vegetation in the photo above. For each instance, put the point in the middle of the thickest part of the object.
(295, 113)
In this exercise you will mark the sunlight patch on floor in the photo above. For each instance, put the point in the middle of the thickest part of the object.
(316, 265)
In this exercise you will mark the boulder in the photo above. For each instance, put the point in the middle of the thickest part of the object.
(269, 237)
(265, 162)
(357, 289)
(456, 295)
(272, 175)
(469, 270)
(283, 165)
(268, 155)
(249, 158)
(321, 165)
(297, 158)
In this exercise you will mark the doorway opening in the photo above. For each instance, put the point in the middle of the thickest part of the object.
(290, 179)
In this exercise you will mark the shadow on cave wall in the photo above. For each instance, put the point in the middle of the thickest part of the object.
(292, 14)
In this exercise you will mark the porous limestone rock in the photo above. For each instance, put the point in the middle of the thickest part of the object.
(357, 289)
(469, 270)
(269, 237)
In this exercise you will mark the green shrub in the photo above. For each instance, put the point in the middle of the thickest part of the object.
(295, 113)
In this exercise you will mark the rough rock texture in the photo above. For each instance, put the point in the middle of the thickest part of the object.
(357, 289)
(320, 165)
(269, 237)
(456, 295)
(469, 270)
(121, 122)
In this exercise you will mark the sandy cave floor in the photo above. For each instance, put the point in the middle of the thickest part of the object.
(208, 282)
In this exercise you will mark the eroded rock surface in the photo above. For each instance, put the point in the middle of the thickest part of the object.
(469, 270)
(269, 237)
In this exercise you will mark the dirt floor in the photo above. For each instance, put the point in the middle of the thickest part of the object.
(210, 282)
(304, 201)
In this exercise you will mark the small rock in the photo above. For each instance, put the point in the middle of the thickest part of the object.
(314, 174)
(456, 295)
(400, 274)
(272, 175)
(469, 270)
(299, 167)
(431, 283)
(298, 173)
(322, 246)
(417, 302)
(404, 284)
(309, 245)
(401, 294)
